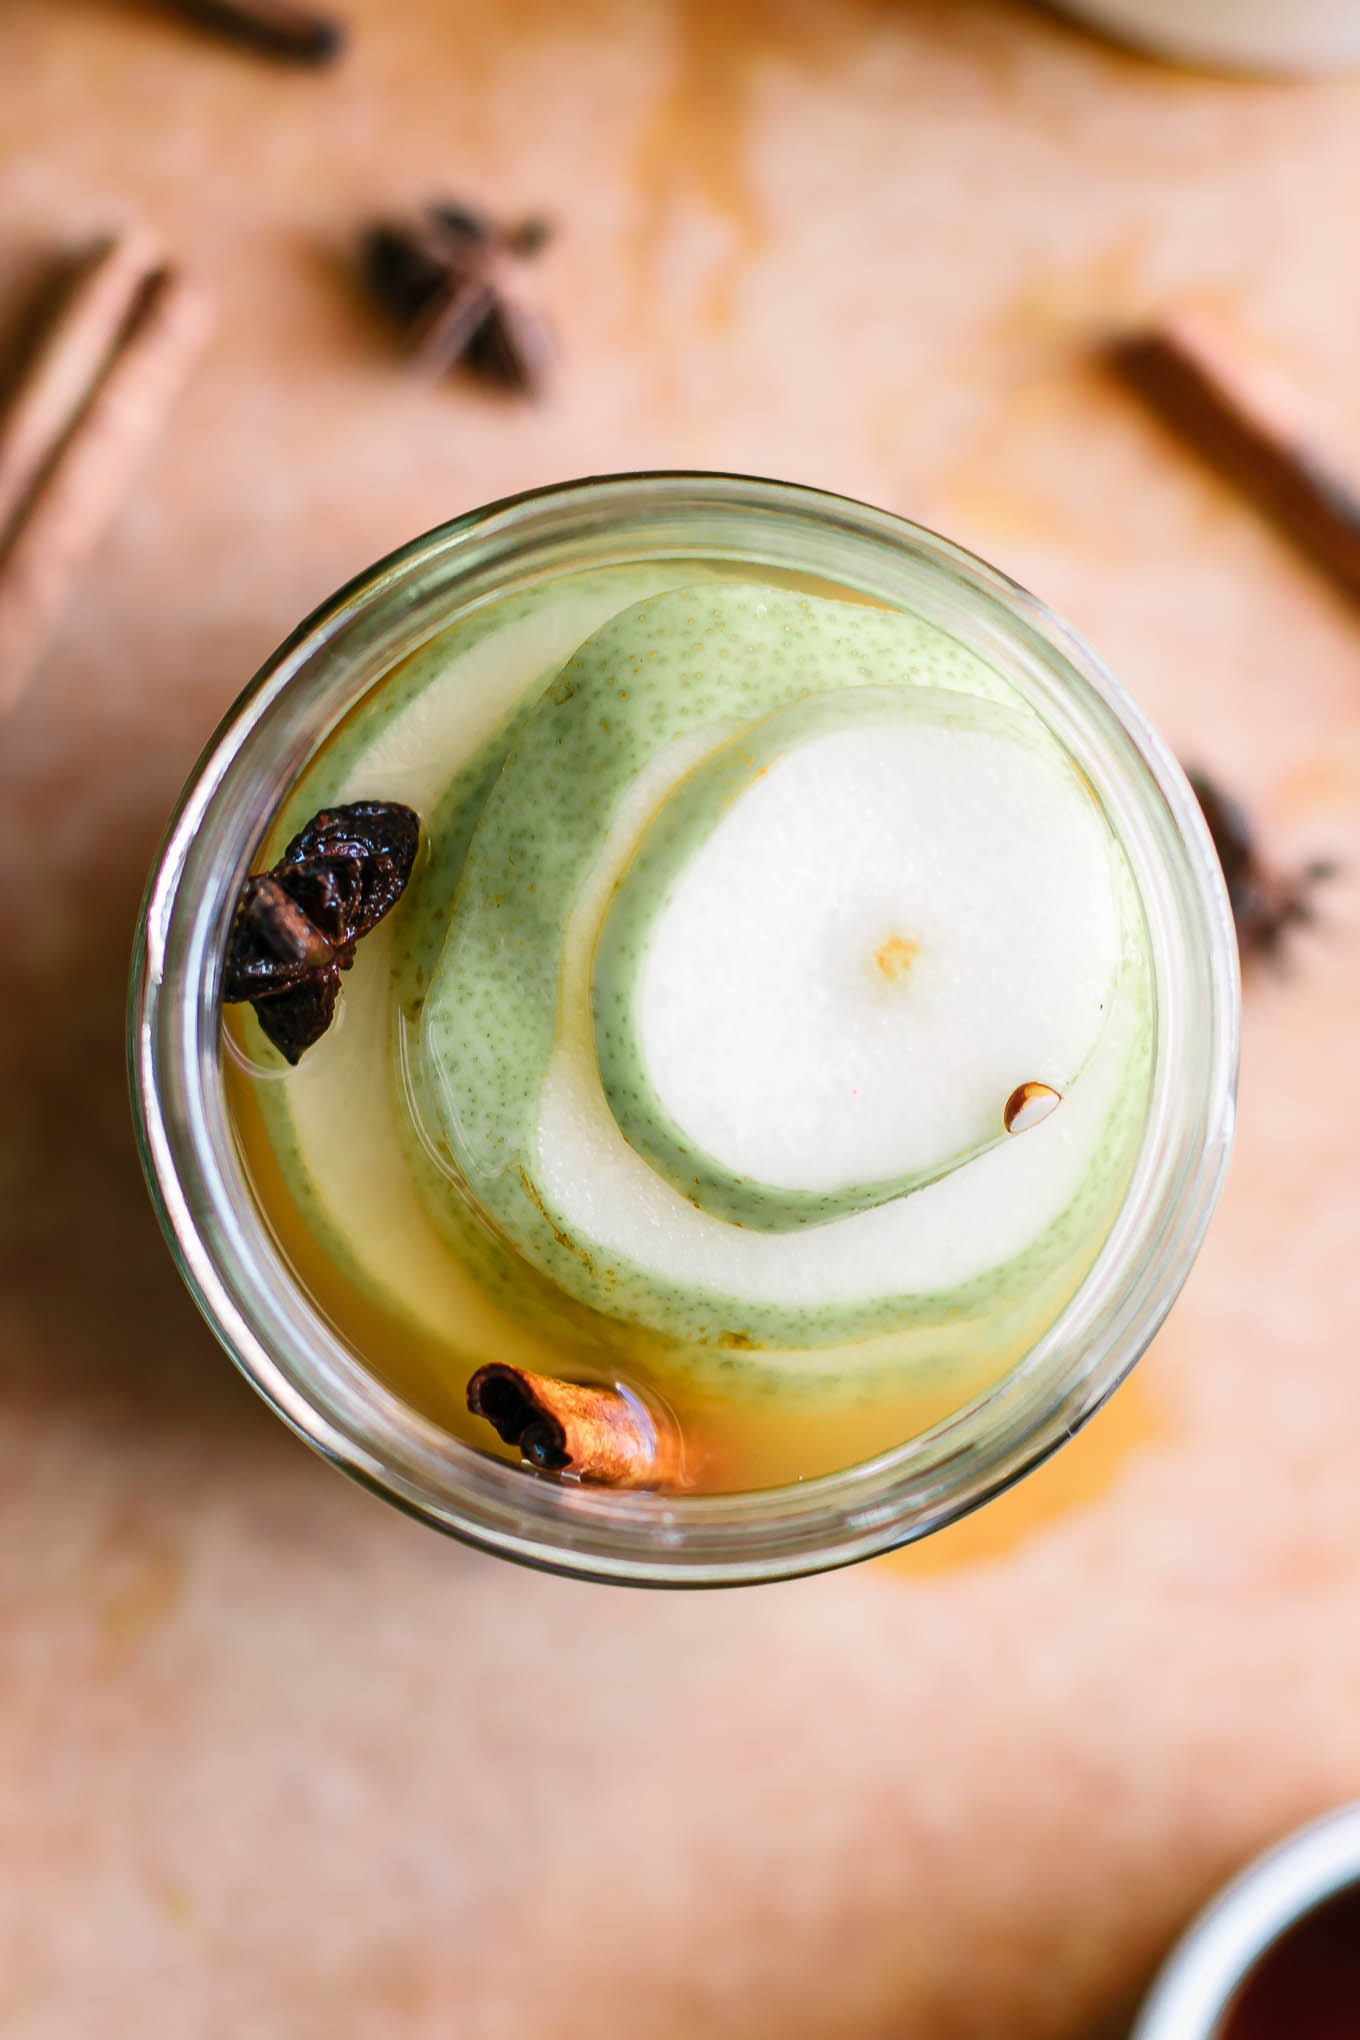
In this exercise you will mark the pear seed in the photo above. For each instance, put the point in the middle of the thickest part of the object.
(1028, 1104)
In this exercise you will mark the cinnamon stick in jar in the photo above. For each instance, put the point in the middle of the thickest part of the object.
(601, 1435)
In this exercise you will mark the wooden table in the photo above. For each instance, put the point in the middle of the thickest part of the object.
(275, 1762)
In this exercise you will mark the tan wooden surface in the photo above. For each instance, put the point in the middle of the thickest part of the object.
(276, 1764)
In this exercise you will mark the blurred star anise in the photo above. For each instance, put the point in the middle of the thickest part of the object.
(453, 277)
(1265, 902)
(296, 926)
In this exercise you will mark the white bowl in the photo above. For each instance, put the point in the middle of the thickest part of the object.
(1255, 35)
(1227, 1941)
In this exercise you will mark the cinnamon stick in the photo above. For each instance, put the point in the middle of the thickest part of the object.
(70, 360)
(277, 28)
(65, 485)
(601, 1435)
(1250, 428)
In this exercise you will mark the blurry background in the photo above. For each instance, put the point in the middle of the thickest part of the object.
(273, 1761)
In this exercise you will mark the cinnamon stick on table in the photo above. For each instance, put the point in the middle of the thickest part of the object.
(69, 361)
(95, 395)
(294, 33)
(1250, 427)
(599, 1434)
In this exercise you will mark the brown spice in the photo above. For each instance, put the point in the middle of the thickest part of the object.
(296, 926)
(72, 354)
(277, 28)
(96, 393)
(454, 278)
(1204, 384)
(1265, 901)
(291, 936)
(599, 1434)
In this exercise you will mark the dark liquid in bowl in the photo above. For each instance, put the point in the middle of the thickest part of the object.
(1307, 1984)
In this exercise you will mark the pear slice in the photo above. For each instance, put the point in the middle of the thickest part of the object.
(419, 727)
(506, 1043)
(967, 1247)
(839, 942)
(692, 666)
(435, 736)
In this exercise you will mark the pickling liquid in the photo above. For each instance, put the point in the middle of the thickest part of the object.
(451, 1178)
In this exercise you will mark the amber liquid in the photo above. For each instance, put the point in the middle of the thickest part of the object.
(727, 1446)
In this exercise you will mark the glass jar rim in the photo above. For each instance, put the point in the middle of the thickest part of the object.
(297, 1361)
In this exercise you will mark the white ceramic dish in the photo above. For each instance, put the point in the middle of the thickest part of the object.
(1194, 1990)
(1291, 36)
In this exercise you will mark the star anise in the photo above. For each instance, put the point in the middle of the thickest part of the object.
(296, 926)
(1266, 902)
(454, 278)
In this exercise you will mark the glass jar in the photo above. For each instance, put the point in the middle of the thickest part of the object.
(297, 1359)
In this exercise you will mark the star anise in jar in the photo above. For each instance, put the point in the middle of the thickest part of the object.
(297, 925)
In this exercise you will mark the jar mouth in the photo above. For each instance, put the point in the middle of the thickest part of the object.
(1239, 1928)
(294, 1357)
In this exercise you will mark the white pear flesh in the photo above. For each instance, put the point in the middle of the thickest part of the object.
(1024, 1201)
(892, 925)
